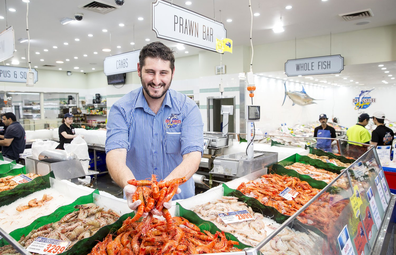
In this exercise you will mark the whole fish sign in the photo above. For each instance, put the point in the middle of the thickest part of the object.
(298, 97)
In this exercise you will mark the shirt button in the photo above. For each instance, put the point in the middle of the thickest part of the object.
(155, 168)
(155, 152)
(156, 133)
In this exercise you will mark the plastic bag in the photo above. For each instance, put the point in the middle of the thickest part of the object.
(40, 145)
(79, 147)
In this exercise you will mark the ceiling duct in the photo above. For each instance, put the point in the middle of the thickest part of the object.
(99, 7)
(357, 15)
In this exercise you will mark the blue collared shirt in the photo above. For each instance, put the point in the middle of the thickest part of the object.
(155, 143)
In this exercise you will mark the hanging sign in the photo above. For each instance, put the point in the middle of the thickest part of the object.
(121, 63)
(174, 23)
(363, 100)
(7, 44)
(16, 74)
(313, 66)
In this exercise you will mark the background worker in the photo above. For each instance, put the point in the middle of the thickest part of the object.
(14, 137)
(382, 135)
(324, 131)
(358, 133)
(66, 131)
(154, 129)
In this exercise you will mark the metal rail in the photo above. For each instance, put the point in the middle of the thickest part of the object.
(14, 243)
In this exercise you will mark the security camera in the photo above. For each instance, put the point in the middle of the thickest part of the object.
(79, 16)
(119, 2)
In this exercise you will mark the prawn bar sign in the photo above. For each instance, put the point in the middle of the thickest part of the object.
(314, 66)
(174, 23)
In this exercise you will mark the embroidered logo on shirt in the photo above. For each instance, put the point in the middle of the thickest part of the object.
(173, 120)
(387, 138)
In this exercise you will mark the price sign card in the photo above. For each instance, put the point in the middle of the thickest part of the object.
(288, 193)
(21, 179)
(345, 243)
(237, 216)
(381, 193)
(374, 208)
(384, 186)
(356, 201)
(368, 223)
(360, 239)
(44, 245)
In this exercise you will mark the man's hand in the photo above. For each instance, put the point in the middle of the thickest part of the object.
(129, 190)
(168, 204)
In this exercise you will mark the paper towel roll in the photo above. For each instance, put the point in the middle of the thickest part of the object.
(198, 178)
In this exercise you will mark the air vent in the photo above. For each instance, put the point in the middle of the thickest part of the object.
(49, 66)
(357, 15)
(99, 7)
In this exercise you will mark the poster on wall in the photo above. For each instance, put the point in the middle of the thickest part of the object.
(363, 100)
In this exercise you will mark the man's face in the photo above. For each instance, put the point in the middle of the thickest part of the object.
(323, 121)
(6, 121)
(156, 77)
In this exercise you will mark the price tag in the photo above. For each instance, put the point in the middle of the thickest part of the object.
(381, 193)
(356, 201)
(21, 179)
(237, 216)
(344, 241)
(44, 245)
(384, 186)
(288, 193)
(360, 239)
(374, 208)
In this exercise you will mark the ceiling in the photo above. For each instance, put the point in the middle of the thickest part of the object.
(307, 18)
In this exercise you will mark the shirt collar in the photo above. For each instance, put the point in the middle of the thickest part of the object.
(141, 101)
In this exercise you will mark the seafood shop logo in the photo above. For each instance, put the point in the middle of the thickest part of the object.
(173, 120)
(364, 100)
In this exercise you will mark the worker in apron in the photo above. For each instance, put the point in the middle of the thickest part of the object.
(324, 131)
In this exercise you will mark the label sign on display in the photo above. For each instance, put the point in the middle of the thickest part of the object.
(344, 241)
(374, 208)
(122, 63)
(384, 186)
(15, 74)
(288, 193)
(44, 245)
(21, 179)
(360, 239)
(7, 44)
(172, 22)
(381, 193)
(313, 66)
(237, 216)
(356, 201)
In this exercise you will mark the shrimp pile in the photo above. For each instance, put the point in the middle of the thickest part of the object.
(267, 189)
(153, 236)
(254, 231)
(329, 160)
(153, 195)
(34, 203)
(6, 183)
(72, 227)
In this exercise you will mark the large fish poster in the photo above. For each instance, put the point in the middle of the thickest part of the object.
(363, 100)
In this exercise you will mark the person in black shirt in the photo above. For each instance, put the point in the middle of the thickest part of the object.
(382, 135)
(325, 131)
(66, 131)
(14, 137)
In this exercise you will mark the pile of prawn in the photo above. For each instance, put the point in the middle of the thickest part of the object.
(267, 188)
(73, 227)
(156, 236)
(254, 231)
(6, 183)
(329, 160)
(34, 203)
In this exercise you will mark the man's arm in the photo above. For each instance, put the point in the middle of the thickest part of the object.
(187, 167)
(6, 142)
(116, 164)
(1, 136)
(67, 136)
(373, 143)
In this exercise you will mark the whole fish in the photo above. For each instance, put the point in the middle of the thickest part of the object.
(298, 97)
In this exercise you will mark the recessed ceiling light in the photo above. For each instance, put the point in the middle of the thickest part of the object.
(386, 72)
(180, 46)
(345, 78)
(46, 50)
(186, 52)
(35, 66)
(95, 52)
(383, 68)
(188, 3)
(104, 30)
(85, 55)
(140, 18)
(15, 62)
(76, 67)
(106, 50)
(38, 53)
(66, 21)
(26, 1)
(41, 60)
(75, 57)
(147, 39)
(351, 80)
(121, 25)
(132, 43)
(278, 28)
(337, 75)
(7, 64)
(82, 71)
(1, 17)
(298, 75)
(90, 35)
(59, 62)
(392, 78)
(65, 43)
(77, 40)
(385, 82)
(118, 47)
(23, 58)
(288, 7)
(55, 47)
(381, 65)
(67, 60)
(60, 69)
(11, 9)
(390, 75)
(256, 14)
(93, 68)
(357, 82)
(229, 20)
(324, 0)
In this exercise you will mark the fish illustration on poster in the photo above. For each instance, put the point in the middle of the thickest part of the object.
(363, 100)
(298, 97)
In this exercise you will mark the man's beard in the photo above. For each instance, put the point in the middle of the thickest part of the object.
(145, 87)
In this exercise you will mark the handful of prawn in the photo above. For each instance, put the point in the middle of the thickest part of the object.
(153, 195)
(34, 203)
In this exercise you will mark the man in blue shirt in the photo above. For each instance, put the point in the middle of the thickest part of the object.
(154, 129)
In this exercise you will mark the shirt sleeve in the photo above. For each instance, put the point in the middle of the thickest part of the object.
(10, 133)
(61, 129)
(374, 137)
(117, 129)
(366, 136)
(333, 133)
(316, 132)
(192, 131)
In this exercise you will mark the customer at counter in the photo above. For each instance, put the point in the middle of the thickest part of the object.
(66, 131)
(14, 137)
(154, 129)
(358, 133)
(382, 135)
(324, 131)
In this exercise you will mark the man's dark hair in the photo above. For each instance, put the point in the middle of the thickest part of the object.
(381, 121)
(10, 115)
(157, 50)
